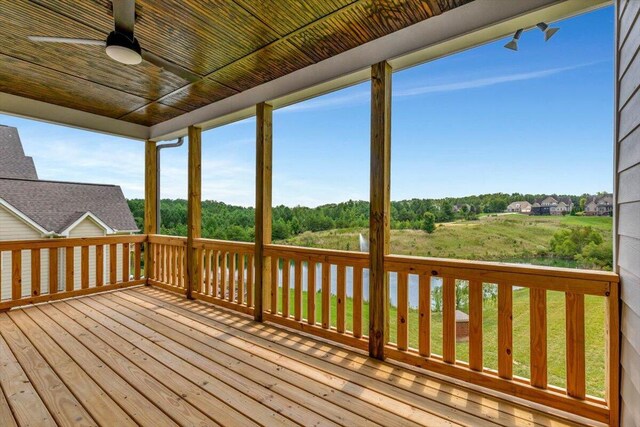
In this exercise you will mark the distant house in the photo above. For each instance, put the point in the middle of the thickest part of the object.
(31, 208)
(461, 207)
(599, 205)
(552, 205)
(520, 207)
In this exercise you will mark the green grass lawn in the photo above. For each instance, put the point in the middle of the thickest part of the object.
(510, 238)
(594, 309)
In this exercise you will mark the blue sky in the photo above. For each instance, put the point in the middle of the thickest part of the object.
(486, 120)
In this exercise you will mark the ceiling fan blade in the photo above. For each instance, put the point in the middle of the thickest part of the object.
(124, 15)
(66, 40)
(170, 67)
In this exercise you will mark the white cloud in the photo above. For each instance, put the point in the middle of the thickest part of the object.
(484, 82)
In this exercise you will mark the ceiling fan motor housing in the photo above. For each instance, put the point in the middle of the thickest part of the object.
(123, 48)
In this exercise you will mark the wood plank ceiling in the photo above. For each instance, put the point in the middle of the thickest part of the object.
(233, 44)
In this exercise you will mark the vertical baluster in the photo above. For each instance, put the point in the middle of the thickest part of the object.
(232, 276)
(223, 275)
(84, 267)
(179, 272)
(424, 307)
(35, 272)
(113, 263)
(274, 284)
(207, 271)
(449, 320)
(250, 281)
(326, 294)
(505, 330)
(53, 270)
(137, 260)
(69, 269)
(286, 268)
(164, 258)
(297, 284)
(575, 345)
(126, 262)
(183, 262)
(240, 298)
(175, 266)
(538, 336)
(156, 262)
(16, 275)
(357, 302)
(475, 325)
(342, 298)
(403, 311)
(216, 274)
(311, 293)
(100, 265)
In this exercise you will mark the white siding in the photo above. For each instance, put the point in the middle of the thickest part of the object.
(14, 228)
(86, 228)
(628, 204)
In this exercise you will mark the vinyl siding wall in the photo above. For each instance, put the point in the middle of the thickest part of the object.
(628, 203)
(15, 228)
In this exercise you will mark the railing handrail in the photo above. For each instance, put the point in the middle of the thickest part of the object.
(537, 270)
(12, 245)
(200, 243)
(360, 259)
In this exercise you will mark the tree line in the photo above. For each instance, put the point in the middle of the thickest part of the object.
(237, 223)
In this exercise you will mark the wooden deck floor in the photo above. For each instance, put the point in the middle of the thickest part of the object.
(147, 357)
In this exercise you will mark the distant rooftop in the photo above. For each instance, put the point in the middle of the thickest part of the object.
(13, 162)
(55, 205)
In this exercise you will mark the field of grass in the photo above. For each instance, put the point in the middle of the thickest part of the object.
(594, 309)
(512, 238)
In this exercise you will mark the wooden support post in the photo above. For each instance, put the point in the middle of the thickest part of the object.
(150, 203)
(194, 207)
(262, 288)
(379, 219)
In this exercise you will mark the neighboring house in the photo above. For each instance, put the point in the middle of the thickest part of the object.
(599, 205)
(520, 207)
(37, 209)
(551, 205)
(458, 208)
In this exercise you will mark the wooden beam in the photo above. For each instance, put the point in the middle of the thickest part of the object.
(194, 207)
(262, 288)
(150, 202)
(379, 219)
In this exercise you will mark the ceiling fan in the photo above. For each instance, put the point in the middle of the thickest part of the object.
(122, 46)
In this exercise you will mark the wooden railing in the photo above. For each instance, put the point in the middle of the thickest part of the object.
(33, 271)
(318, 275)
(168, 262)
(325, 293)
(226, 273)
(574, 284)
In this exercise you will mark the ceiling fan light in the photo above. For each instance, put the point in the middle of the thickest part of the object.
(122, 49)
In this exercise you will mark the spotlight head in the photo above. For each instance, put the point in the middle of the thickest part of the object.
(513, 44)
(548, 31)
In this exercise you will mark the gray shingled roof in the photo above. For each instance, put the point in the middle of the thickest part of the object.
(13, 162)
(55, 205)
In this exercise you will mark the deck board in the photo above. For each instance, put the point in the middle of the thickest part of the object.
(149, 357)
